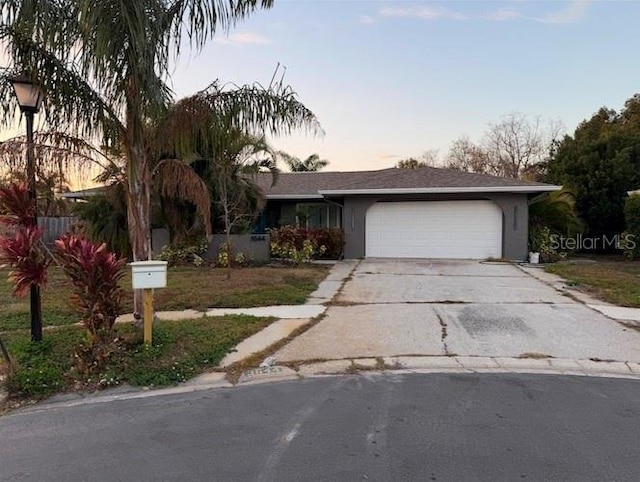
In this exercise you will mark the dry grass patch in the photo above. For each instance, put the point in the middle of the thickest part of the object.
(187, 288)
(614, 280)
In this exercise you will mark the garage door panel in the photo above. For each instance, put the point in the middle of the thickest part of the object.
(442, 229)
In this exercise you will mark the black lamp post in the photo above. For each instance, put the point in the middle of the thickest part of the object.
(29, 95)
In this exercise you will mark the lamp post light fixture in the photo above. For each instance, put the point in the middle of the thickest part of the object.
(29, 95)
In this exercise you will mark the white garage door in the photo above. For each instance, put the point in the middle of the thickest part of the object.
(434, 229)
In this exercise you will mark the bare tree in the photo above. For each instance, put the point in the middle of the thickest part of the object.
(516, 146)
(466, 156)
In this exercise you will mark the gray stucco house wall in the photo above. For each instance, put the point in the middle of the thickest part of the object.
(515, 219)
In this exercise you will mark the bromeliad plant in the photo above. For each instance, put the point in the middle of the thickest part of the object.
(95, 274)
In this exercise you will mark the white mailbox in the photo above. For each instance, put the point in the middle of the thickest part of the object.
(148, 274)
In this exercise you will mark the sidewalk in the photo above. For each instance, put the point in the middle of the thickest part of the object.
(617, 313)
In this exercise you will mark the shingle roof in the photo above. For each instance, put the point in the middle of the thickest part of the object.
(290, 184)
(310, 185)
(307, 184)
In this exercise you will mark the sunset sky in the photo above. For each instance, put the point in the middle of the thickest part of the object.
(392, 79)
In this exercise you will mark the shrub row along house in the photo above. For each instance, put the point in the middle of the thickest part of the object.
(408, 213)
(404, 213)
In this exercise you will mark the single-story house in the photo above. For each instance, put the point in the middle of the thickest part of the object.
(408, 213)
(403, 213)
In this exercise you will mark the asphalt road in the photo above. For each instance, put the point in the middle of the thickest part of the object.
(386, 427)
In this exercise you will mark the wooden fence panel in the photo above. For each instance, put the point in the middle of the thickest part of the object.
(56, 227)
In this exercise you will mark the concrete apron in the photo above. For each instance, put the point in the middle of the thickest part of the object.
(440, 308)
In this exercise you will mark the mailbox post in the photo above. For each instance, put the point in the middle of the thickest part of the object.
(148, 275)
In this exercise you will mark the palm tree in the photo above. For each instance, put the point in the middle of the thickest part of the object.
(557, 211)
(104, 67)
(295, 164)
(230, 174)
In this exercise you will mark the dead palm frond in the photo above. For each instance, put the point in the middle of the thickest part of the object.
(177, 180)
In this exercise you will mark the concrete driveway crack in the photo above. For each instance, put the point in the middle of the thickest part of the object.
(443, 327)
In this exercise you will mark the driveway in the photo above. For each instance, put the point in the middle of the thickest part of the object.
(467, 308)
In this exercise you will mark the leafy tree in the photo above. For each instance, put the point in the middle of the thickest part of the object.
(427, 158)
(104, 219)
(410, 163)
(600, 163)
(295, 164)
(632, 221)
(104, 66)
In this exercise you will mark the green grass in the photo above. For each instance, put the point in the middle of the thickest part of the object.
(292, 290)
(187, 287)
(200, 289)
(614, 280)
(56, 311)
(180, 350)
(41, 367)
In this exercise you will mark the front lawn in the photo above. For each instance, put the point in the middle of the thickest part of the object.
(187, 287)
(181, 349)
(611, 279)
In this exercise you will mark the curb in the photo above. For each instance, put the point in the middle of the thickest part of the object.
(388, 366)
(444, 364)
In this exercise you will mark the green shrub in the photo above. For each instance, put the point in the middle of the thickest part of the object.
(541, 240)
(184, 254)
(294, 252)
(631, 237)
(222, 259)
(104, 219)
(332, 239)
(302, 245)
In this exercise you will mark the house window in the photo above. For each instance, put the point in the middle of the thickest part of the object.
(318, 215)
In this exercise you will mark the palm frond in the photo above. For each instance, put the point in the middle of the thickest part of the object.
(202, 124)
(178, 180)
(55, 152)
(199, 19)
(557, 211)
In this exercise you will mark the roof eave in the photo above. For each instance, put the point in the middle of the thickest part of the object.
(444, 190)
(275, 197)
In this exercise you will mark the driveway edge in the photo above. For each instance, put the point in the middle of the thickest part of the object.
(470, 364)
(372, 367)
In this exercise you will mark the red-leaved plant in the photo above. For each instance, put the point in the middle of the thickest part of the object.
(24, 253)
(16, 207)
(23, 250)
(95, 274)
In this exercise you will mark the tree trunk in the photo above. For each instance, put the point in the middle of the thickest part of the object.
(138, 185)
(139, 222)
(229, 250)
